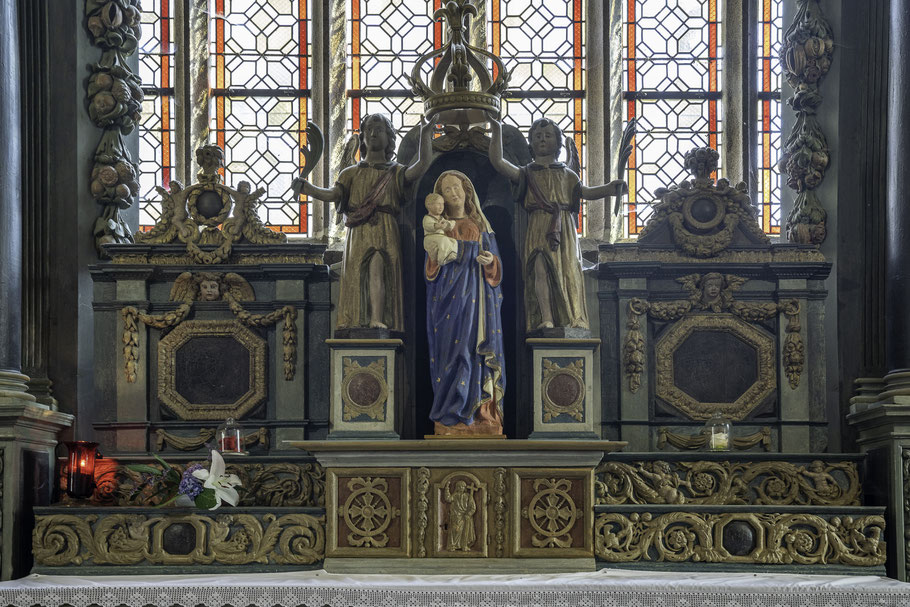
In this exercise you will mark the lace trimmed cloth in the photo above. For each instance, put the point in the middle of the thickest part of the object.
(605, 588)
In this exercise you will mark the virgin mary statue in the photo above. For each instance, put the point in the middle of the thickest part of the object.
(464, 327)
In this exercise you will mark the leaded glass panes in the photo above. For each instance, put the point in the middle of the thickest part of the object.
(260, 79)
(769, 105)
(156, 130)
(542, 43)
(385, 39)
(672, 65)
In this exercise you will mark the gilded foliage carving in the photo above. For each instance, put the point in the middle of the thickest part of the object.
(225, 539)
(268, 484)
(722, 208)
(676, 537)
(679, 440)
(374, 410)
(575, 371)
(711, 292)
(774, 483)
(423, 504)
(499, 511)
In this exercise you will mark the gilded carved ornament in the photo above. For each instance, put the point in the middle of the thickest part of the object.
(375, 409)
(368, 512)
(676, 537)
(210, 213)
(702, 214)
(226, 539)
(574, 371)
(205, 435)
(708, 482)
(552, 513)
(808, 46)
(190, 287)
(679, 440)
(423, 504)
(711, 292)
(499, 510)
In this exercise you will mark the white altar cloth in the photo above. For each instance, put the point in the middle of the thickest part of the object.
(605, 588)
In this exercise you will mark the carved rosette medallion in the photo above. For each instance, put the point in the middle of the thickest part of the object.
(364, 389)
(552, 513)
(461, 516)
(563, 389)
(371, 513)
(740, 537)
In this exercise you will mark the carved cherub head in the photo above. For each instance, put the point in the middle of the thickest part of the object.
(545, 138)
(712, 285)
(209, 285)
(210, 158)
(377, 134)
(244, 187)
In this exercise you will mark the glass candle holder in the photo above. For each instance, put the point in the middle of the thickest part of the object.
(80, 477)
(719, 432)
(229, 437)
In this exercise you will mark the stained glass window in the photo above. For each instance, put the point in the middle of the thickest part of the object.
(769, 105)
(156, 132)
(542, 43)
(385, 39)
(672, 66)
(260, 79)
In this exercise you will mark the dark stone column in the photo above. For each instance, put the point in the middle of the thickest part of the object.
(897, 252)
(10, 199)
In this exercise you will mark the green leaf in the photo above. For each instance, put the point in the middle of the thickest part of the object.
(145, 468)
(206, 499)
(166, 465)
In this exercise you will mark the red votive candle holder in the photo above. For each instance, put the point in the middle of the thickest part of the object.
(80, 477)
(229, 437)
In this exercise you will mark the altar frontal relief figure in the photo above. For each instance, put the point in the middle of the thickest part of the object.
(551, 193)
(464, 327)
(370, 195)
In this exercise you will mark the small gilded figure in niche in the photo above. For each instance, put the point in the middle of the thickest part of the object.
(551, 193)
(464, 323)
(461, 509)
(369, 195)
(825, 485)
(666, 483)
(439, 246)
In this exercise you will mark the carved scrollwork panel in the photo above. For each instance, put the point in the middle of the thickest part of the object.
(728, 483)
(805, 539)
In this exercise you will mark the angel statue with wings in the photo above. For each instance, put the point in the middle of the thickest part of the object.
(551, 193)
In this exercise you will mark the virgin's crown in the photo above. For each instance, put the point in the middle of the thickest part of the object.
(460, 87)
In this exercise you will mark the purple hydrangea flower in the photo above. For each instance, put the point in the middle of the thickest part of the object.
(191, 486)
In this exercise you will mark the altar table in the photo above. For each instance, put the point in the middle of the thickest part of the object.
(607, 588)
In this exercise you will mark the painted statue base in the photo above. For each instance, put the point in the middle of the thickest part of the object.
(364, 393)
(362, 333)
(563, 387)
(561, 333)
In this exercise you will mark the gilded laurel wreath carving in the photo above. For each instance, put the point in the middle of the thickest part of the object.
(368, 512)
(726, 483)
(552, 513)
(804, 539)
(353, 406)
(129, 539)
(711, 292)
(574, 372)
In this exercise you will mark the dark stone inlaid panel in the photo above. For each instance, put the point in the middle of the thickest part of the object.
(212, 370)
(714, 366)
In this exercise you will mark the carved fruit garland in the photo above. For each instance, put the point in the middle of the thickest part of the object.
(114, 95)
(806, 58)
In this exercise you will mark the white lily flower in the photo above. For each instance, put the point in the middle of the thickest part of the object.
(222, 484)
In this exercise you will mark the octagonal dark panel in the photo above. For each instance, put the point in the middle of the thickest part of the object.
(714, 366)
(212, 370)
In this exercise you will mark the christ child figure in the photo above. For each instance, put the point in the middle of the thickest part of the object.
(551, 193)
(440, 247)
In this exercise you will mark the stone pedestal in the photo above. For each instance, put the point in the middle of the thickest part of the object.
(562, 383)
(364, 388)
(28, 436)
(459, 505)
(884, 435)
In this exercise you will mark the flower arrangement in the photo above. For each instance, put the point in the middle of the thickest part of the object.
(196, 486)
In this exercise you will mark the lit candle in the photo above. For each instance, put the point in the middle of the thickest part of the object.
(80, 478)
